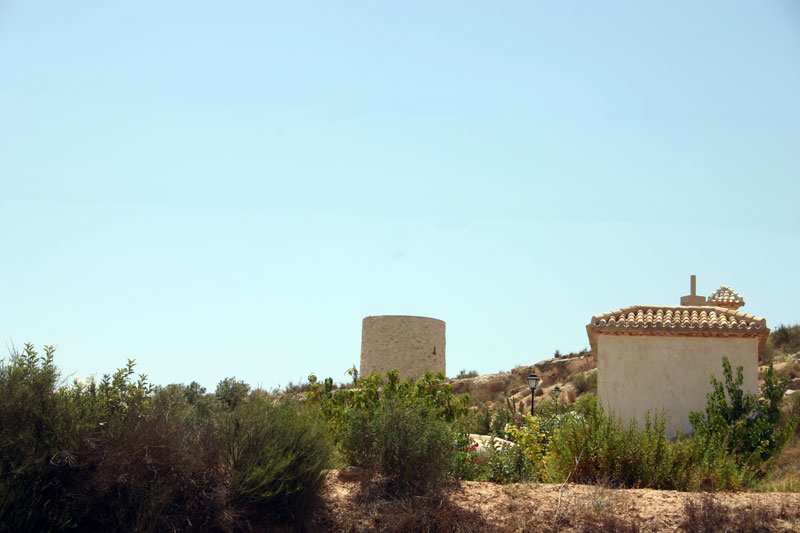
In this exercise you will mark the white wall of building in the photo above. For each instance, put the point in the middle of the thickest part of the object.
(640, 373)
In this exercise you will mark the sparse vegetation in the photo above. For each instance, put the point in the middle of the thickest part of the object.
(120, 454)
(706, 514)
(585, 382)
(783, 340)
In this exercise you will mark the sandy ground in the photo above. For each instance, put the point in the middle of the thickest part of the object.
(356, 506)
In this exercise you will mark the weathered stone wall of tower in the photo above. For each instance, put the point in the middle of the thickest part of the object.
(410, 344)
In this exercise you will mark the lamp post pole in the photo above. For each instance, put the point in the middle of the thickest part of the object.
(533, 382)
(556, 393)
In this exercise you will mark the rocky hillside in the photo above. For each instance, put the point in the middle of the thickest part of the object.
(575, 374)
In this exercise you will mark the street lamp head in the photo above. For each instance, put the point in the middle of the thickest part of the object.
(533, 381)
(556, 392)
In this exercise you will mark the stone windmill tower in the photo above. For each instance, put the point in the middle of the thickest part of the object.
(410, 344)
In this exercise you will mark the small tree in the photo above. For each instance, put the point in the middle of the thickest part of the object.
(232, 392)
(740, 423)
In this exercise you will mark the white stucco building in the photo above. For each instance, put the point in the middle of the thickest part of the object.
(654, 357)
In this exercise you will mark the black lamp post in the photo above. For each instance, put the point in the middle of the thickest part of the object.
(556, 392)
(533, 382)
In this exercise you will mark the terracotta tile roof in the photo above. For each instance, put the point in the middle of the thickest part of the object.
(704, 321)
(725, 295)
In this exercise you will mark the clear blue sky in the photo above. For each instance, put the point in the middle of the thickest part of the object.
(227, 189)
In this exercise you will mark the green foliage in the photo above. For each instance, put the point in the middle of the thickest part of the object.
(740, 424)
(584, 383)
(791, 411)
(520, 456)
(122, 455)
(367, 396)
(782, 340)
(277, 454)
(406, 442)
(401, 429)
(151, 472)
(735, 438)
(591, 446)
(522, 460)
(36, 430)
(232, 392)
(478, 420)
(465, 463)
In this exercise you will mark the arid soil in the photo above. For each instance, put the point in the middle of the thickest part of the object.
(357, 506)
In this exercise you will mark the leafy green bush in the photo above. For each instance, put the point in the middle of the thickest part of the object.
(37, 430)
(591, 446)
(232, 392)
(404, 441)
(94, 456)
(277, 453)
(737, 422)
(368, 396)
(120, 455)
(519, 457)
(147, 460)
(411, 446)
(401, 429)
(465, 463)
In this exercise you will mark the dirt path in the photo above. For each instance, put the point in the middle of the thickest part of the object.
(473, 506)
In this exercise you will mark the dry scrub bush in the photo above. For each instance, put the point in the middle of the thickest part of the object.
(782, 340)
(585, 382)
(707, 514)
(277, 454)
(406, 443)
(120, 455)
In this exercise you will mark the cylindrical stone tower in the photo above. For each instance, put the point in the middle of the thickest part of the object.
(410, 344)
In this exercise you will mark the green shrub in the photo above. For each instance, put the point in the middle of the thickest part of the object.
(584, 383)
(150, 473)
(277, 453)
(37, 431)
(791, 410)
(737, 422)
(148, 460)
(524, 459)
(591, 446)
(401, 429)
(232, 392)
(782, 340)
(368, 396)
(465, 463)
(786, 338)
(406, 442)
